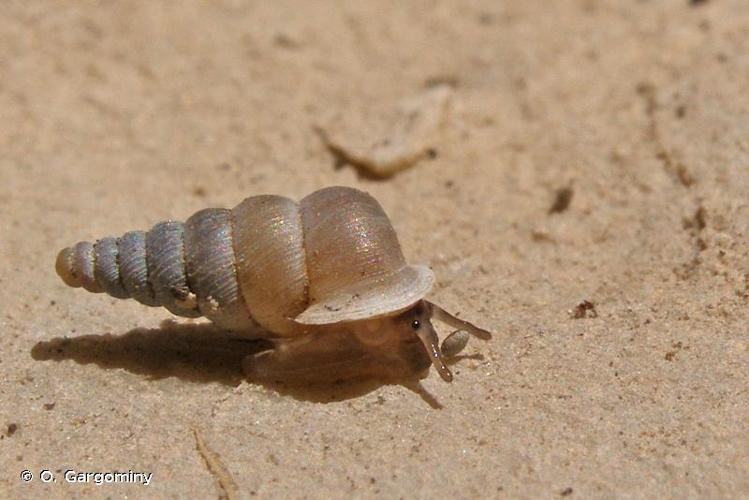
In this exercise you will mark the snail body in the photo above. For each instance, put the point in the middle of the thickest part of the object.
(325, 279)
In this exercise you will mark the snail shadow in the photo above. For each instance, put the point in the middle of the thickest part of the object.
(198, 353)
(193, 352)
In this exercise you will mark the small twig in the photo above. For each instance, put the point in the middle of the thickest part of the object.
(216, 467)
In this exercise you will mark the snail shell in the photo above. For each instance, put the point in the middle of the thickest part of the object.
(269, 267)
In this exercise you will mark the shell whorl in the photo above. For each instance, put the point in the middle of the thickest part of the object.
(355, 264)
(211, 270)
(186, 268)
(269, 262)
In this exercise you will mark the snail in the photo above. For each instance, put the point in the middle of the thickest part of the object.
(324, 280)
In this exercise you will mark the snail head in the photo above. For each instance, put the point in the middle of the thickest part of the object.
(417, 321)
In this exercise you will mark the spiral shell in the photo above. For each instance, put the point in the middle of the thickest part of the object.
(267, 264)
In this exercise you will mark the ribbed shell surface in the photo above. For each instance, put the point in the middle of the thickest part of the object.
(106, 267)
(355, 266)
(209, 256)
(349, 241)
(167, 276)
(131, 248)
(268, 262)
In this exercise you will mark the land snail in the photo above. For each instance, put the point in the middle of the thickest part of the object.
(324, 280)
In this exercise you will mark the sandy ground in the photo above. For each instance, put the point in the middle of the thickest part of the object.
(115, 115)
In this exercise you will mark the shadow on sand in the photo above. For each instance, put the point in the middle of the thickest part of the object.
(199, 353)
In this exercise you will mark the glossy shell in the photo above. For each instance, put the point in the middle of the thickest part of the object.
(267, 264)
(355, 266)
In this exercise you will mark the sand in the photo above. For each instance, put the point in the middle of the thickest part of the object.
(592, 151)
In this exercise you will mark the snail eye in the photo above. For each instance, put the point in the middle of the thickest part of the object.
(416, 324)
